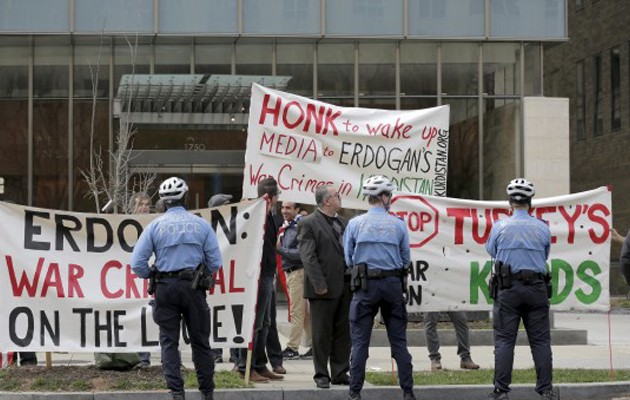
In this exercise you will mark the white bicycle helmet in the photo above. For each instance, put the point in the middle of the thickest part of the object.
(173, 188)
(520, 189)
(377, 184)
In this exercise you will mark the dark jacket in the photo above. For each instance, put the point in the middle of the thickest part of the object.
(288, 249)
(322, 256)
(268, 266)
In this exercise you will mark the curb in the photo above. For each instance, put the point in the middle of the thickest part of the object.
(581, 391)
(480, 337)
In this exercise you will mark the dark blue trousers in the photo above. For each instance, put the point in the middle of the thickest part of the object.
(175, 299)
(384, 294)
(529, 303)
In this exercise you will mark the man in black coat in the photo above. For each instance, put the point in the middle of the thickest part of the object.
(326, 286)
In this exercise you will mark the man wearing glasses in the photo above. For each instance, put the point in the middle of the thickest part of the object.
(327, 287)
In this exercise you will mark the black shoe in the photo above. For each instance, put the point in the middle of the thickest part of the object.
(290, 354)
(308, 355)
(322, 383)
(409, 396)
(498, 395)
(550, 395)
(178, 395)
(354, 396)
(342, 380)
(218, 359)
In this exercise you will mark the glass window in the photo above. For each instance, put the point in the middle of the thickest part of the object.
(501, 69)
(114, 16)
(446, 18)
(88, 141)
(296, 61)
(335, 70)
(130, 59)
(459, 68)
(198, 16)
(91, 71)
(418, 69)
(615, 88)
(51, 71)
(501, 127)
(533, 77)
(14, 62)
(50, 153)
(34, 16)
(580, 110)
(377, 72)
(598, 115)
(253, 58)
(282, 16)
(173, 58)
(527, 19)
(364, 17)
(213, 58)
(14, 160)
(463, 149)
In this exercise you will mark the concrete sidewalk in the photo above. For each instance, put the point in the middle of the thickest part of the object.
(599, 353)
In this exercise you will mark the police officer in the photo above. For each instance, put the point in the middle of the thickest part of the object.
(521, 244)
(379, 241)
(181, 242)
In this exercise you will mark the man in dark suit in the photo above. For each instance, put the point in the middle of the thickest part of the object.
(320, 238)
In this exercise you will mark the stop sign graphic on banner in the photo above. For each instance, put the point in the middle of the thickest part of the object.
(420, 217)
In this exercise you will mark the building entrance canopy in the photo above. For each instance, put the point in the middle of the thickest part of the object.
(189, 99)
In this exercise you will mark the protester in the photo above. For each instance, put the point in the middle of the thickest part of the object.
(624, 255)
(183, 245)
(326, 286)
(259, 371)
(218, 200)
(142, 205)
(292, 266)
(376, 245)
(460, 322)
(520, 247)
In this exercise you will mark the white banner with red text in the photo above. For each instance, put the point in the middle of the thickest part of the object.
(451, 268)
(306, 143)
(67, 284)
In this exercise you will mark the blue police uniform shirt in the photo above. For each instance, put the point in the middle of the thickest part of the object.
(179, 240)
(520, 241)
(377, 239)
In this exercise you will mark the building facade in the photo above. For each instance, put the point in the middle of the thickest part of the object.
(62, 63)
(592, 69)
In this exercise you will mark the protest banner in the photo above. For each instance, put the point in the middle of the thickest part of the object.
(451, 268)
(306, 143)
(67, 284)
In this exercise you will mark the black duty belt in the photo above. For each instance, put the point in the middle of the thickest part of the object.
(186, 274)
(377, 273)
(294, 268)
(528, 275)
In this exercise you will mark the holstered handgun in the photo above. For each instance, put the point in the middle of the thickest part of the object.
(504, 274)
(198, 276)
(404, 280)
(493, 286)
(152, 280)
(549, 285)
(358, 278)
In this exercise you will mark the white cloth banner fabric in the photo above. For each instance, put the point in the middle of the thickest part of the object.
(451, 268)
(306, 143)
(67, 284)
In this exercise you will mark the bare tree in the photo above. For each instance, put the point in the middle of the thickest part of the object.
(114, 185)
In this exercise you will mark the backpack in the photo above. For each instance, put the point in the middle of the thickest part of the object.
(116, 361)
